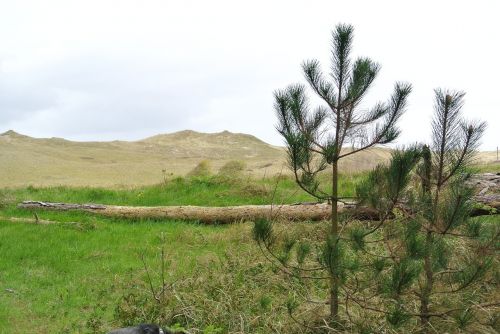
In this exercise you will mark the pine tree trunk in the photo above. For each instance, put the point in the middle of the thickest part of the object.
(427, 289)
(334, 289)
(429, 274)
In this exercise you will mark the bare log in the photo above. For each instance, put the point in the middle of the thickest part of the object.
(61, 206)
(487, 188)
(229, 214)
(484, 183)
(37, 221)
(207, 215)
(490, 205)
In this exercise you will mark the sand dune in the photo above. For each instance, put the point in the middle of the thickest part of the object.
(54, 161)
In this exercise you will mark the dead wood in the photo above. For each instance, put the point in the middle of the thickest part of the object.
(230, 214)
(207, 215)
(30, 221)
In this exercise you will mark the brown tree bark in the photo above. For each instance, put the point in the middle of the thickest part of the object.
(225, 215)
(207, 215)
(30, 220)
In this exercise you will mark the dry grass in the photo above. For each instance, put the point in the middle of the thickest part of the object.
(487, 162)
(54, 161)
(487, 157)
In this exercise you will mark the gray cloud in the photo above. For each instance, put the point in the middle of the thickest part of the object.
(91, 95)
(90, 70)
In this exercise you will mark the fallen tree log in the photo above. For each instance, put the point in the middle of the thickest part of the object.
(35, 221)
(208, 215)
(229, 214)
(486, 205)
(27, 220)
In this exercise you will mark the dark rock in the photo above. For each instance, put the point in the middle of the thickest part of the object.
(143, 329)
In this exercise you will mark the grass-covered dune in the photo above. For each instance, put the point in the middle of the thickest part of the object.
(26, 160)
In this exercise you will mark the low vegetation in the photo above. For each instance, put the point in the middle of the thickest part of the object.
(82, 276)
(95, 275)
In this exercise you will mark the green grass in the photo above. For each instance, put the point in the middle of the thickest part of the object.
(491, 167)
(205, 191)
(61, 273)
(68, 278)
(54, 277)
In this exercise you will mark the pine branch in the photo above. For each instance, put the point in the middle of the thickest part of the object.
(445, 124)
(388, 132)
(341, 49)
(322, 87)
(363, 74)
(378, 111)
(471, 133)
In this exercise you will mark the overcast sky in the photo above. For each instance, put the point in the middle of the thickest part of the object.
(104, 70)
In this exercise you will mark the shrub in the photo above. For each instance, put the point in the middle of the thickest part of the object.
(232, 169)
(203, 168)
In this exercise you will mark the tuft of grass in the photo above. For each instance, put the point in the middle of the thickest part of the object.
(232, 169)
(202, 169)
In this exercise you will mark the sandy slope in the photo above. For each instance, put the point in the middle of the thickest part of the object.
(40, 161)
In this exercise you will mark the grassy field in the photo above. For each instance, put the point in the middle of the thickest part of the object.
(86, 274)
(69, 277)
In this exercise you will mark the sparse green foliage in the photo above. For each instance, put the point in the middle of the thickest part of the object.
(396, 315)
(434, 250)
(464, 318)
(357, 236)
(303, 250)
(263, 232)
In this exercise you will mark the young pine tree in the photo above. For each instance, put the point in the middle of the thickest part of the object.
(437, 259)
(316, 138)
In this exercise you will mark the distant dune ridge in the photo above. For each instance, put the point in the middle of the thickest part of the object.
(54, 161)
